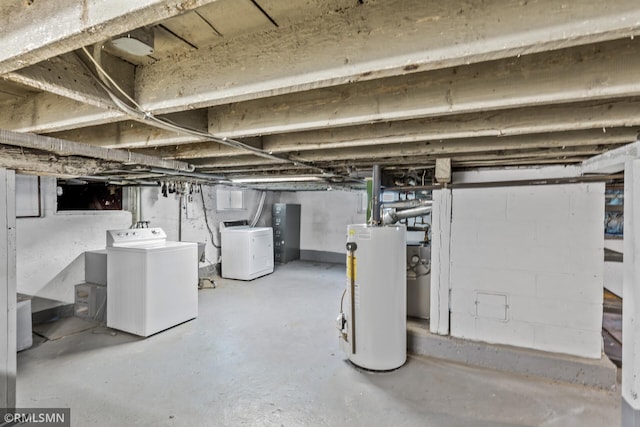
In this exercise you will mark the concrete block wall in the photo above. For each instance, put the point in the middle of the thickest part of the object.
(164, 212)
(50, 249)
(527, 266)
(613, 270)
(613, 277)
(325, 216)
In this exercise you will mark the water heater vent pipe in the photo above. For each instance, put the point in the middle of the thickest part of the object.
(392, 217)
(375, 195)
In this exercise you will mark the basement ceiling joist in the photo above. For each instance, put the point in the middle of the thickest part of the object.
(43, 155)
(368, 42)
(334, 84)
(557, 118)
(572, 140)
(70, 25)
(598, 72)
(161, 87)
(66, 76)
(602, 71)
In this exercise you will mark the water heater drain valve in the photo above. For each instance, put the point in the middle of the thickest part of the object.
(341, 324)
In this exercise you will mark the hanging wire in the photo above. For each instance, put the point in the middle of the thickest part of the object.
(206, 219)
(137, 112)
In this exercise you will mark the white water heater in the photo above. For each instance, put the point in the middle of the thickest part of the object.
(373, 318)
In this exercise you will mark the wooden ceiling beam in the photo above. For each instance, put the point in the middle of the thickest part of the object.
(555, 118)
(64, 76)
(596, 72)
(33, 31)
(45, 112)
(24, 160)
(601, 115)
(131, 134)
(367, 43)
(569, 140)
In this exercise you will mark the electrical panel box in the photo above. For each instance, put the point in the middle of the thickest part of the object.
(286, 232)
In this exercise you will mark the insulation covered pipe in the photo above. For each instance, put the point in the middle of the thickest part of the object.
(394, 216)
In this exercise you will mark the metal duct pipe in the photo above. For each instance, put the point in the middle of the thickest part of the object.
(405, 204)
(180, 205)
(393, 217)
(375, 195)
(194, 175)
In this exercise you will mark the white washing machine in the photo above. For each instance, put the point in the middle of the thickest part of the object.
(247, 253)
(152, 282)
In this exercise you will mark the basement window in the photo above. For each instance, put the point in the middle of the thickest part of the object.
(28, 196)
(75, 195)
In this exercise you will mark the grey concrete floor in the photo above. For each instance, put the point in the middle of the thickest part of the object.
(265, 353)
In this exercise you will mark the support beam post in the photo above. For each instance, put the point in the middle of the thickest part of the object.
(631, 300)
(440, 261)
(7, 289)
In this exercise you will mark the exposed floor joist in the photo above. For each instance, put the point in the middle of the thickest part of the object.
(579, 74)
(557, 118)
(66, 76)
(71, 25)
(602, 71)
(568, 140)
(51, 156)
(334, 84)
(368, 42)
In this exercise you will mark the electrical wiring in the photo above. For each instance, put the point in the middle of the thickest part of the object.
(258, 214)
(106, 75)
(206, 220)
(139, 114)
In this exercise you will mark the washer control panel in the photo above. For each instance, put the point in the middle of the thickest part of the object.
(130, 236)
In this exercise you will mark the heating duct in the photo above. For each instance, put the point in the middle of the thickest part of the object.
(392, 217)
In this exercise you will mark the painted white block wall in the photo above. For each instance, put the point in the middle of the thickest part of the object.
(613, 270)
(325, 216)
(631, 299)
(614, 244)
(613, 277)
(440, 262)
(527, 266)
(50, 249)
(164, 212)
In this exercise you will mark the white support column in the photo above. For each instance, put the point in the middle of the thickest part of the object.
(631, 299)
(7, 289)
(440, 261)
